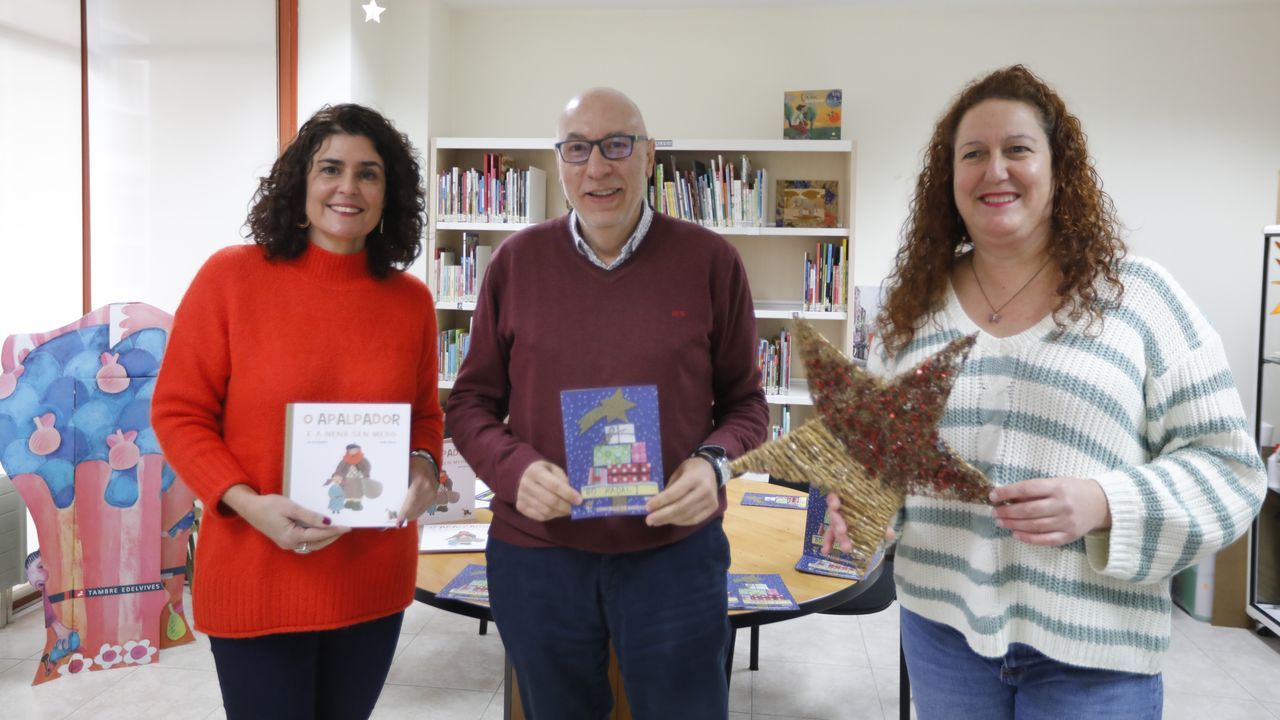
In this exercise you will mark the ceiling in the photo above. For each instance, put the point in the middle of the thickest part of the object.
(883, 4)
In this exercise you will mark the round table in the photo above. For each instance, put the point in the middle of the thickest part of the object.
(765, 540)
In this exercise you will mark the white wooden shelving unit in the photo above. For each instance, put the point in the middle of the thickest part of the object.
(773, 255)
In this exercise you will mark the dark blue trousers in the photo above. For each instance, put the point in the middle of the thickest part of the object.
(664, 609)
(325, 674)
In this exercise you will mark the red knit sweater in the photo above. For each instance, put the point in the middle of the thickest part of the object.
(250, 336)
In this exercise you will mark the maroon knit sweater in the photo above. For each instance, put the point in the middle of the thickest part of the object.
(677, 314)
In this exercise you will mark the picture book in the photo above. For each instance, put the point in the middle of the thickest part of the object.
(613, 448)
(349, 461)
(456, 500)
(811, 114)
(483, 494)
(795, 502)
(836, 564)
(471, 585)
(807, 203)
(866, 305)
(735, 602)
(454, 537)
(761, 592)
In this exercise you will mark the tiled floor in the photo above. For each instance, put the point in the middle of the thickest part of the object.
(444, 670)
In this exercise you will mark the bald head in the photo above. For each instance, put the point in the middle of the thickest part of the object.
(608, 194)
(586, 111)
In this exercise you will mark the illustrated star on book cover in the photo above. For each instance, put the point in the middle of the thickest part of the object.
(613, 448)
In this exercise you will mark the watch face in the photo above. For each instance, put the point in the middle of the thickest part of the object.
(714, 451)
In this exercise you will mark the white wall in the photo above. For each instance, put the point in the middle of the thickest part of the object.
(40, 218)
(1180, 105)
(182, 122)
(394, 66)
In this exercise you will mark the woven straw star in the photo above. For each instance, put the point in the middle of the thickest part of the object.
(872, 442)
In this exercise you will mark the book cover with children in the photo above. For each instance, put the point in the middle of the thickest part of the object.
(613, 448)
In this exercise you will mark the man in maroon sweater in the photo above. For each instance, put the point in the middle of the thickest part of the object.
(610, 295)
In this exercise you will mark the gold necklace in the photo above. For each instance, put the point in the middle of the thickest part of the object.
(995, 315)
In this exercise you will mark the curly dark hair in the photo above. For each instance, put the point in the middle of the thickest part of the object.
(278, 207)
(1086, 243)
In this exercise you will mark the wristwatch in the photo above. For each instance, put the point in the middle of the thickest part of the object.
(719, 460)
(420, 453)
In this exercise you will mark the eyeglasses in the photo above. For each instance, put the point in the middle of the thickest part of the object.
(613, 147)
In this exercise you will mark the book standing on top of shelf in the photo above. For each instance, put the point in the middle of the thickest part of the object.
(348, 460)
(812, 114)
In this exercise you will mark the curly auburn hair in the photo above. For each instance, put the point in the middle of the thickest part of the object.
(1086, 243)
(278, 209)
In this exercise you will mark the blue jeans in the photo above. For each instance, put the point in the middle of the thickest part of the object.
(949, 680)
(664, 609)
(316, 675)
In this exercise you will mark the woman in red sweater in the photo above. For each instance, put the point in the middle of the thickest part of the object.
(303, 614)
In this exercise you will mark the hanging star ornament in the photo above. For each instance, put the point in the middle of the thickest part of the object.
(372, 12)
(872, 442)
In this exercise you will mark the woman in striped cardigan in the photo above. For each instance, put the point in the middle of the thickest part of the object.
(1097, 399)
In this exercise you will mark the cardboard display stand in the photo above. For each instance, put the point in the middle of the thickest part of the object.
(111, 516)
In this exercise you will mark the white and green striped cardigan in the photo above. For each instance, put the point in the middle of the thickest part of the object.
(1146, 406)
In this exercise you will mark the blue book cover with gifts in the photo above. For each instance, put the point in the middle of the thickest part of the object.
(812, 560)
(471, 585)
(613, 448)
(758, 591)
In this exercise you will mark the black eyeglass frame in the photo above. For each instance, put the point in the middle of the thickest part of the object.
(598, 144)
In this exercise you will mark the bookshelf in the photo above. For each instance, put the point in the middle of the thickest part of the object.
(1263, 586)
(774, 256)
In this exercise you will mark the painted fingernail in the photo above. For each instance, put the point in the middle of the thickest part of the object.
(327, 521)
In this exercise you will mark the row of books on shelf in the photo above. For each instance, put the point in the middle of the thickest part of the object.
(452, 348)
(459, 278)
(826, 277)
(773, 355)
(784, 423)
(497, 194)
(712, 194)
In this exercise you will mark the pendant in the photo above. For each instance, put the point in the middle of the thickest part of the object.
(995, 318)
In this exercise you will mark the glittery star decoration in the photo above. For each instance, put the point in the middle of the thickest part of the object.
(372, 12)
(872, 442)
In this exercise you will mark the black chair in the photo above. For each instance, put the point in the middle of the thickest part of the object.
(874, 599)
